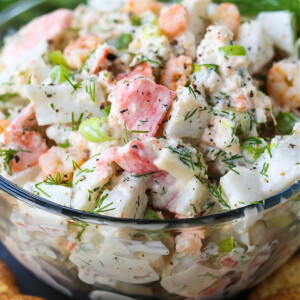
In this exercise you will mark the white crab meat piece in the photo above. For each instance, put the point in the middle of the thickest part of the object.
(63, 103)
(257, 43)
(187, 116)
(127, 199)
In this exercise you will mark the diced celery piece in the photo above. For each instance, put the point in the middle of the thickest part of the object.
(245, 121)
(227, 123)
(227, 245)
(151, 31)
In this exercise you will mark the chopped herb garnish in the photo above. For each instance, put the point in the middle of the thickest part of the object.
(265, 169)
(143, 175)
(126, 132)
(106, 111)
(189, 114)
(58, 180)
(139, 131)
(75, 125)
(75, 86)
(64, 145)
(38, 188)
(142, 122)
(192, 91)
(83, 227)
(143, 59)
(91, 89)
(76, 166)
(217, 192)
(99, 208)
(184, 156)
(8, 155)
(29, 79)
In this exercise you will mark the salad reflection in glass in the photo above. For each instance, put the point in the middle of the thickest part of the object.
(152, 110)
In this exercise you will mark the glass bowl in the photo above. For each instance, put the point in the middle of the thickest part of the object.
(89, 256)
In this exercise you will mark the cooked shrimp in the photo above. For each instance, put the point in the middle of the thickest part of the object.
(243, 103)
(173, 21)
(4, 124)
(26, 120)
(60, 160)
(176, 72)
(139, 7)
(44, 28)
(29, 146)
(190, 241)
(283, 83)
(77, 52)
(228, 14)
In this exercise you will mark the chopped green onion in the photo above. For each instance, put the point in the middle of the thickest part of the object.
(233, 50)
(92, 130)
(106, 111)
(151, 215)
(135, 20)
(122, 41)
(57, 58)
(59, 73)
(210, 67)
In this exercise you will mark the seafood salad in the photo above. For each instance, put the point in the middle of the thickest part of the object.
(150, 106)
(150, 110)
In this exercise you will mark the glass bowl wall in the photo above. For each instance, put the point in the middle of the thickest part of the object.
(89, 257)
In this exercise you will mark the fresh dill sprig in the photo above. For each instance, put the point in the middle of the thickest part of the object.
(91, 90)
(192, 91)
(217, 192)
(189, 114)
(38, 188)
(126, 132)
(8, 155)
(184, 156)
(76, 166)
(265, 169)
(64, 145)
(76, 85)
(75, 124)
(58, 180)
(83, 227)
(143, 175)
(142, 122)
(101, 209)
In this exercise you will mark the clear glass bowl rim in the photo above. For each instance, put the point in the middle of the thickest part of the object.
(52, 207)
(230, 215)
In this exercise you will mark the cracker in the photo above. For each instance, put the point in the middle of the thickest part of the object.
(8, 283)
(285, 278)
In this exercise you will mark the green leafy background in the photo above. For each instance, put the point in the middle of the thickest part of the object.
(247, 8)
